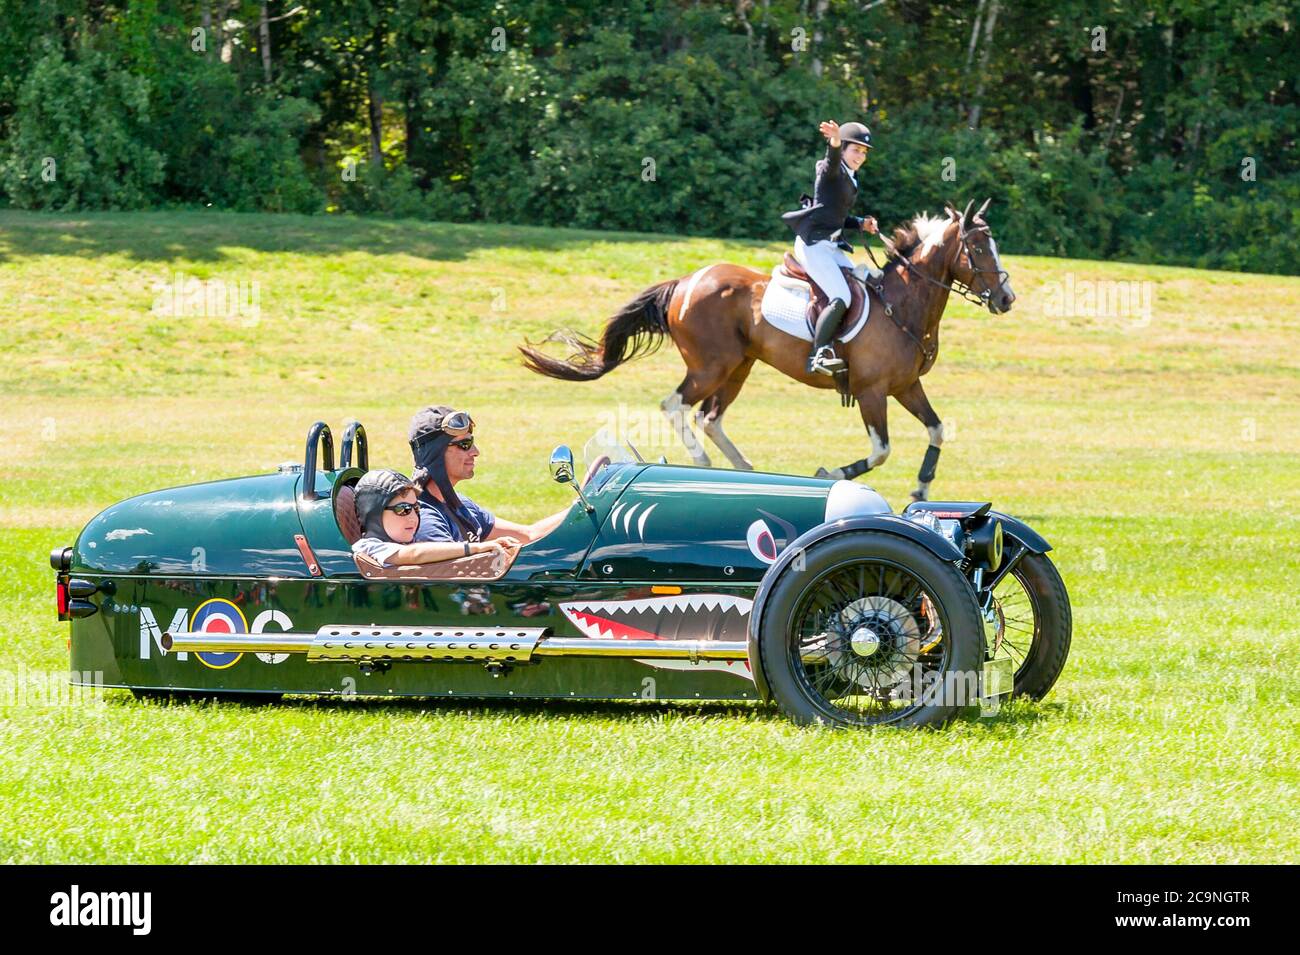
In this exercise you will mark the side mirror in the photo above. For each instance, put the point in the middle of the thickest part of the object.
(562, 472)
(562, 465)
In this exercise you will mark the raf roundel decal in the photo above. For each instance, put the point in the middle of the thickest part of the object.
(218, 616)
(761, 542)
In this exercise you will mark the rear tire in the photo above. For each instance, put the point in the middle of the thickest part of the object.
(867, 607)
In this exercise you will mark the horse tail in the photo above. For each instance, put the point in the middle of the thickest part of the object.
(638, 328)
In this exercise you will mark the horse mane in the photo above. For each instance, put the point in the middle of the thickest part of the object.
(911, 236)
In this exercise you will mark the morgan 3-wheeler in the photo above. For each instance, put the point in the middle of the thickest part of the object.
(664, 582)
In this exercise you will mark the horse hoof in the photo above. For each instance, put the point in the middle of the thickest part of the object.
(835, 474)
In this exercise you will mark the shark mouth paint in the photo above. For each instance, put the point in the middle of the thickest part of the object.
(679, 617)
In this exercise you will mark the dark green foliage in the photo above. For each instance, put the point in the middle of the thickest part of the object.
(261, 166)
(78, 139)
(1161, 132)
(395, 194)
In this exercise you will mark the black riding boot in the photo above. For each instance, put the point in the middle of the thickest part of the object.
(823, 360)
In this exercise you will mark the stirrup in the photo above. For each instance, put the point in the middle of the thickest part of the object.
(825, 362)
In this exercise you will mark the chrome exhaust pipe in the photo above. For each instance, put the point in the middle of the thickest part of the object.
(200, 642)
(693, 650)
(415, 644)
(447, 645)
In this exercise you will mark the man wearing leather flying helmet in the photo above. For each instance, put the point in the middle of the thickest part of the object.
(442, 443)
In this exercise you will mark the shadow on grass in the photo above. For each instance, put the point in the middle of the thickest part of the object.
(621, 710)
(210, 236)
(1018, 714)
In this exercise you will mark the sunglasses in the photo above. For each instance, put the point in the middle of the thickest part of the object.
(465, 444)
(402, 508)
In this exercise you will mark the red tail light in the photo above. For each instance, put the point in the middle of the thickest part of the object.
(61, 595)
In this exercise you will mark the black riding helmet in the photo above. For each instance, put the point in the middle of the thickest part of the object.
(373, 492)
(855, 133)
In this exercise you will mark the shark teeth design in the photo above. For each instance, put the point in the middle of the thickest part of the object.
(679, 602)
(642, 616)
(600, 629)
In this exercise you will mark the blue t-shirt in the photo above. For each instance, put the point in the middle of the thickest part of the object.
(437, 524)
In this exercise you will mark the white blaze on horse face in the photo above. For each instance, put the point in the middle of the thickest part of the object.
(997, 264)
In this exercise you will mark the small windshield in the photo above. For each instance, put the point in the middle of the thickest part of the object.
(605, 444)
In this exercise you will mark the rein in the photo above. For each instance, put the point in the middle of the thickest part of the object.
(961, 288)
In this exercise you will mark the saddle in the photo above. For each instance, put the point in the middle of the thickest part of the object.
(818, 300)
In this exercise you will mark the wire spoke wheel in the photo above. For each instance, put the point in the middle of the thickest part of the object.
(871, 628)
(866, 634)
(1031, 624)
(1014, 630)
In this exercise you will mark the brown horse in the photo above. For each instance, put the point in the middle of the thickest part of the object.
(714, 319)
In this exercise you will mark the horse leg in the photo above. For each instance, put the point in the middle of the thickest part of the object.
(705, 323)
(698, 384)
(709, 417)
(915, 401)
(873, 410)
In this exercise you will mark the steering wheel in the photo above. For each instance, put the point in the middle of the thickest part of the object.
(596, 465)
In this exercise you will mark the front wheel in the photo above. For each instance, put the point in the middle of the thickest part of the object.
(1029, 621)
(871, 629)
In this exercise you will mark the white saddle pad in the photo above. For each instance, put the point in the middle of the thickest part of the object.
(785, 305)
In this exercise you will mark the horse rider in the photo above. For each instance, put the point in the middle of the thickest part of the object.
(818, 224)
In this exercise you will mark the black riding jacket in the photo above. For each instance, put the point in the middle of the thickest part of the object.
(824, 214)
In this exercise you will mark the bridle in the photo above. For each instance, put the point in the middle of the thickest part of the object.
(964, 290)
(961, 288)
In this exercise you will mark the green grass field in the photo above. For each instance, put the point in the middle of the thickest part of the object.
(1158, 453)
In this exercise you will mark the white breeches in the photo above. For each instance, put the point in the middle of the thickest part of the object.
(823, 261)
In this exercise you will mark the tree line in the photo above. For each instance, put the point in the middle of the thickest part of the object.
(1162, 131)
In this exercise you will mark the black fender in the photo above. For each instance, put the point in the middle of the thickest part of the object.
(938, 545)
(1011, 526)
(1018, 530)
